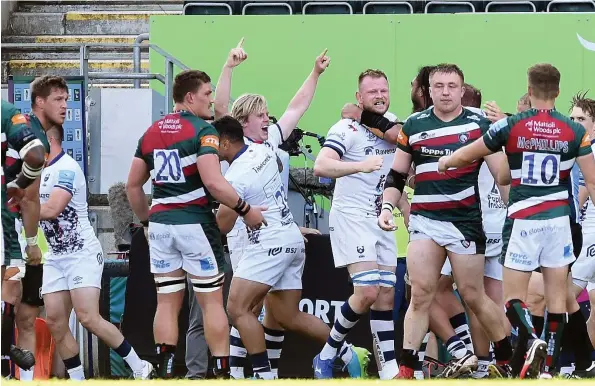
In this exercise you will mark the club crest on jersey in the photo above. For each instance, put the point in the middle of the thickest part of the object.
(370, 135)
(463, 137)
(369, 150)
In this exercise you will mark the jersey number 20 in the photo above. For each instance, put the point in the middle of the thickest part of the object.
(168, 167)
(540, 169)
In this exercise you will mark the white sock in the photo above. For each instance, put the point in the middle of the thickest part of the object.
(383, 333)
(457, 349)
(345, 353)
(77, 374)
(26, 375)
(133, 360)
(237, 354)
(482, 368)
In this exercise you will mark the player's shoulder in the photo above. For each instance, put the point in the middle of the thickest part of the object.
(345, 126)
(66, 162)
(420, 116)
(475, 114)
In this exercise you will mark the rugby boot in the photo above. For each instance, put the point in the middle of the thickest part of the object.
(534, 359)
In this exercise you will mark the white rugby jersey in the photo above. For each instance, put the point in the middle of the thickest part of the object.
(588, 222)
(359, 193)
(254, 174)
(493, 209)
(273, 142)
(71, 231)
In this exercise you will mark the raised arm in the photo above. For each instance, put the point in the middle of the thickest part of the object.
(302, 99)
(223, 92)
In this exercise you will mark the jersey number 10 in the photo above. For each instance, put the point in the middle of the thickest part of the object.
(540, 169)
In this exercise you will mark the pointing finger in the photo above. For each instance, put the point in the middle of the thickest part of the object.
(323, 53)
(240, 44)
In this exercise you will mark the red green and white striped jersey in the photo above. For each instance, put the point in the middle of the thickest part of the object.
(170, 148)
(541, 146)
(453, 196)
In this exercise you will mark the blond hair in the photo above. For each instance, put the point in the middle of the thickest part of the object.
(248, 104)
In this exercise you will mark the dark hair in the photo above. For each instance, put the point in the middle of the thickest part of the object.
(585, 104)
(188, 81)
(229, 128)
(371, 73)
(423, 83)
(446, 68)
(544, 80)
(471, 97)
(42, 87)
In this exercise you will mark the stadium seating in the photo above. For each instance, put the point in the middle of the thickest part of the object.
(267, 9)
(511, 6)
(571, 6)
(321, 7)
(387, 7)
(449, 7)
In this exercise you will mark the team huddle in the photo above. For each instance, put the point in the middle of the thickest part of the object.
(497, 208)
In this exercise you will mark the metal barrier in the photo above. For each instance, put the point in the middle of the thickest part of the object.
(137, 76)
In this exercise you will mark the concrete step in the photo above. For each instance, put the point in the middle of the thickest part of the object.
(76, 39)
(37, 23)
(109, 23)
(66, 67)
(67, 55)
(68, 6)
(82, 23)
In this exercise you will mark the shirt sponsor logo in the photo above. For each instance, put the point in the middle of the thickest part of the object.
(19, 119)
(210, 141)
(262, 164)
(435, 152)
(170, 125)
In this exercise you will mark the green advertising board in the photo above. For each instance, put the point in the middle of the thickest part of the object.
(493, 50)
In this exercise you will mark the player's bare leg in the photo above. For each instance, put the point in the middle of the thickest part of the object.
(425, 258)
(244, 295)
(85, 302)
(25, 322)
(216, 323)
(556, 290)
(536, 301)
(58, 306)
(170, 295)
(516, 284)
(481, 341)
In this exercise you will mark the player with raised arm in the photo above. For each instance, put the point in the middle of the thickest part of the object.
(252, 112)
(445, 215)
(357, 158)
(73, 270)
(180, 154)
(16, 132)
(542, 146)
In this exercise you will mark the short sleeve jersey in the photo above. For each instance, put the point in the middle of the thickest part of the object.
(541, 146)
(359, 193)
(71, 232)
(254, 174)
(454, 195)
(170, 148)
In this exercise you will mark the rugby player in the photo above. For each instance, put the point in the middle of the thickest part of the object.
(180, 154)
(583, 270)
(252, 112)
(445, 219)
(72, 272)
(493, 212)
(358, 160)
(16, 132)
(450, 326)
(542, 145)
